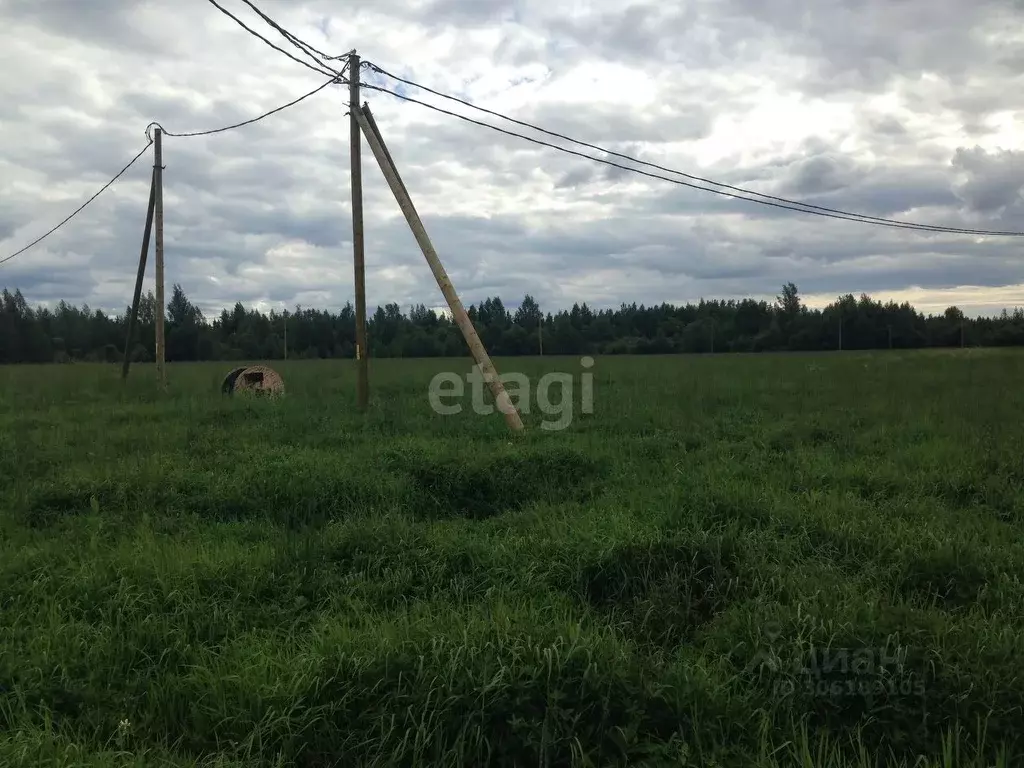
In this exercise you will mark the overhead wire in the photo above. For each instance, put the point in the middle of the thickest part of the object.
(314, 53)
(79, 209)
(321, 69)
(753, 195)
(736, 192)
(333, 79)
(839, 215)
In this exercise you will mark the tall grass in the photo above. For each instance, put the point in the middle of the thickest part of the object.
(739, 561)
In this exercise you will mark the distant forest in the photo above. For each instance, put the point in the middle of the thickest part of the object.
(68, 333)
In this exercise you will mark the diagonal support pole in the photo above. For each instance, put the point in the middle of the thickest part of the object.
(139, 277)
(476, 347)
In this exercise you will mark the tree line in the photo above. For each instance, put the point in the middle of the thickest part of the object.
(68, 333)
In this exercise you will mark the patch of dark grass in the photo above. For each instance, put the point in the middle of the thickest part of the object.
(945, 578)
(660, 593)
(294, 503)
(802, 436)
(519, 698)
(850, 553)
(391, 571)
(879, 673)
(46, 505)
(878, 488)
(487, 487)
(846, 683)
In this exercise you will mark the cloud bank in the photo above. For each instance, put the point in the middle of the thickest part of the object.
(906, 110)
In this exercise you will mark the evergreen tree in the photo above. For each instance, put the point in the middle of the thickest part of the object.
(69, 333)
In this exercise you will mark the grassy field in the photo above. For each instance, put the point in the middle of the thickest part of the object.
(734, 560)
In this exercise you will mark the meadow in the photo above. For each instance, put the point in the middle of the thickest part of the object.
(735, 560)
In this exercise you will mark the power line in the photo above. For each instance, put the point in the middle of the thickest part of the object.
(838, 215)
(334, 79)
(253, 32)
(780, 202)
(302, 46)
(315, 54)
(78, 210)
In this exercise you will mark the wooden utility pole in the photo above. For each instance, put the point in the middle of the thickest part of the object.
(358, 254)
(840, 333)
(139, 276)
(540, 333)
(476, 347)
(286, 334)
(158, 176)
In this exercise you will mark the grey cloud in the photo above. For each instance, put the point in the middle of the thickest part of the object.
(518, 51)
(322, 230)
(107, 22)
(576, 177)
(820, 175)
(49, 285)
(652, 33)
(430, 13)
(9, 220)
(993, 181)
(887, 125)
(606, 124)
(466, 12)
(890, 192)
(179, 114)
(506, 216)
(863, 45)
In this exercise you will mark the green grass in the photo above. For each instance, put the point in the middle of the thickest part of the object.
(763, 561)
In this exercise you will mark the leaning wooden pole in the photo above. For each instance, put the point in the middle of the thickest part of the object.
(139, 277)
(476, 347)
(391, 161)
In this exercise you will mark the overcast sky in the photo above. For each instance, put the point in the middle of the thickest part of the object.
(910, 109)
